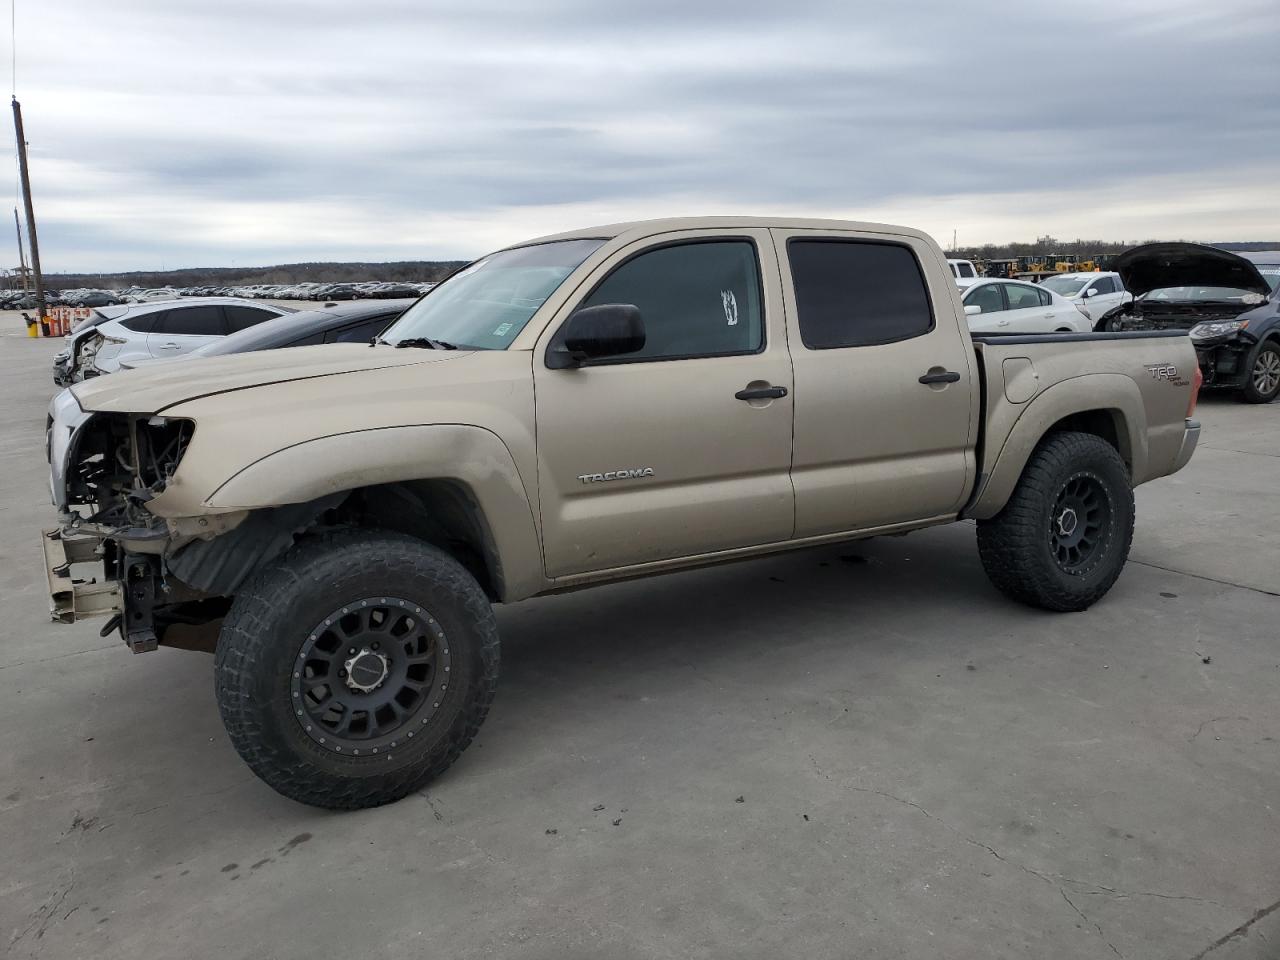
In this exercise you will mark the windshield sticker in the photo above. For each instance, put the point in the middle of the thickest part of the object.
(730, 304)
(501, 329)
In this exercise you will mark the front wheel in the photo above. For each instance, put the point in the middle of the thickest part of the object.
(355, 668)
(1063, 537)
(1263, 382)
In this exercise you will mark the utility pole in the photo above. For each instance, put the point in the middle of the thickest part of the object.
(22, 253)
(31, 213)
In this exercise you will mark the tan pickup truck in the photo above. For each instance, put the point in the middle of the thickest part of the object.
(335, 521)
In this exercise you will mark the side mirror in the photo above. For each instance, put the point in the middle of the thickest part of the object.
(972, 310)
(1089, 293)
(592, 333)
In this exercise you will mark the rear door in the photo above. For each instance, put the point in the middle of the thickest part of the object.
(653, 456)
(1030, 309)
(886, 396)
(180, 330)
(993, 311)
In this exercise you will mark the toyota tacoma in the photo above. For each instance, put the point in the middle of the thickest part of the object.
(335, 522)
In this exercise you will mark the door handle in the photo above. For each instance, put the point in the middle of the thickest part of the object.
(168, 346)
(946, 376)
(761, 393)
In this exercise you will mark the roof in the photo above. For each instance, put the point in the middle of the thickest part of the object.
(636, 229)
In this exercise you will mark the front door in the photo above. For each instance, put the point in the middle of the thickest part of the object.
(682, 448)
(886, 405)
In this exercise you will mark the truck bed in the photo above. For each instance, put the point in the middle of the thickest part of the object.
(1135, 387)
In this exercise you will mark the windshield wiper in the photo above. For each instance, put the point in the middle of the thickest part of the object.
(426, 342)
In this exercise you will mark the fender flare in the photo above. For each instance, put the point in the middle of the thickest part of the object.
(1112, 393)
(470, 456)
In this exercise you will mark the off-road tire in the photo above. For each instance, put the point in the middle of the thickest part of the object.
(1267, 352)
(1017, 546)
(263, 634)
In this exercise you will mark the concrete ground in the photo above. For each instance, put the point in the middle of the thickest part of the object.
(857, 751)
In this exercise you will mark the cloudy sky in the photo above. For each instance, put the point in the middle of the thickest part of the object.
(169, 133)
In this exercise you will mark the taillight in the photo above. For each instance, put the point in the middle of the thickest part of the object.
(1197, 379)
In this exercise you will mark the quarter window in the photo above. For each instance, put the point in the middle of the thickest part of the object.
(144, 323)
(696, 299)
(853, 293)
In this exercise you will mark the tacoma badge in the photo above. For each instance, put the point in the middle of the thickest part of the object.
(632, 474)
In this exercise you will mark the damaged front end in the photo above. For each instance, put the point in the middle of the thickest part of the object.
(104, 469)
(1212, 294)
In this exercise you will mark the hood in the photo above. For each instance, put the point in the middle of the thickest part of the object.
(1154, 266)
(153, 388)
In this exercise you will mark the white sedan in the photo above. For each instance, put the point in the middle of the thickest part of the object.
(1097, 294)
(1011, 306)
(162, 329)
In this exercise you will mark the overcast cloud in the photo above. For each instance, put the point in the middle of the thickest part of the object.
(240, 133)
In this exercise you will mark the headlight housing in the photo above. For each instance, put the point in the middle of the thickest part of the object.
(1217, 329)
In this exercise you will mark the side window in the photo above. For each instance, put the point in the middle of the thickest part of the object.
(697, 299)
(204, 321)
(143, 324)
(361, 332)
(1045, 298)
(306, 341)
(1022, 296)
(955, 269)
(852, 293)
(966, 270)
(1105, 285)
(987, 297)
(242, 318)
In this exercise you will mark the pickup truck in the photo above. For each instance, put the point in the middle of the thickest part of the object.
(335, 522)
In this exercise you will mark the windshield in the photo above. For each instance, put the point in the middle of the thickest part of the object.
(485, 305)
(1270, 273)
(1065, 286)
(1193, 294)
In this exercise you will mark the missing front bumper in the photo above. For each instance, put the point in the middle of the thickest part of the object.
(72, 598)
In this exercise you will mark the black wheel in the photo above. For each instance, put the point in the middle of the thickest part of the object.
(355, 668)
(1063, 537)
(1263, 382)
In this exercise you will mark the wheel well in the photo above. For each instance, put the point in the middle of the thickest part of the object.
(444, 513)
(1107, 424)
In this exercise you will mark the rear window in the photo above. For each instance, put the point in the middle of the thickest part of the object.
(854, 293)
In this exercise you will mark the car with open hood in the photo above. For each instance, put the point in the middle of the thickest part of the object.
(1226, 302)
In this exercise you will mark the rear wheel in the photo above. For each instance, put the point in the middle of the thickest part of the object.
(355, 668)
(1063, 537)
(1263, 382)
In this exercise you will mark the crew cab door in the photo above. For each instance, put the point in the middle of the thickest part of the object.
(886, 402)
(661, 454)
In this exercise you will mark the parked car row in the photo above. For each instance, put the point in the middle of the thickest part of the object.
(144, 334)
(370, 290)
(93, 297)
